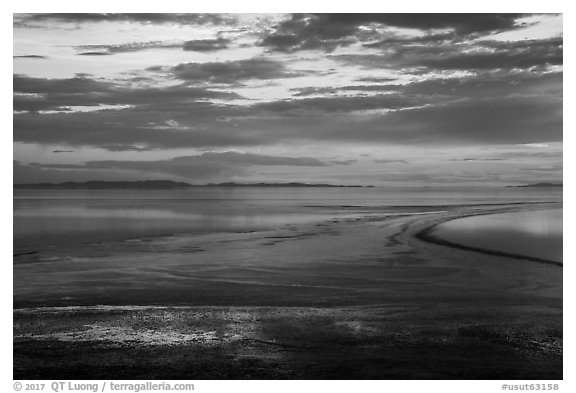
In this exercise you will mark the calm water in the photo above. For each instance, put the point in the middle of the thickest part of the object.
(535, 233)
(56, 217)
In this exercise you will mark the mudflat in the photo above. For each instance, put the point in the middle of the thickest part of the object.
(365, 296)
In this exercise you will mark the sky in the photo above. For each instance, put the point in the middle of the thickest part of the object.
(370, 99)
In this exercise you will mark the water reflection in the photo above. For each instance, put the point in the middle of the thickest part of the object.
(80, 222)
(535, 234)
(57, 217)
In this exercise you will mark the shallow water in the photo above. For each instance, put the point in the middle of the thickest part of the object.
(65, 217)
(536, 234)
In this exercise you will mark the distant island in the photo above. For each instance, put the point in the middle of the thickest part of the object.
(159, 185)
(539, 185)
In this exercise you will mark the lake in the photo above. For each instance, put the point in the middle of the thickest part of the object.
(536, 234)
(68, 217)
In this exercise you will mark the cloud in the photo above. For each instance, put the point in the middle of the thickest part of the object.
(491, 84)
(545, 169)
(94, 54)
(308, 91)
(376, 80)
(102, 49)
(462, 23)
(328, 31)
(30, 57)
(473, 55)
(343, 162)
(120, 147)
(342, 104)
(496, 120)
(42, 94)
(229, 72)
(306, 32)
(210, 45)
(393, 40)
(209, 165)
(207, 45)
(490, 106)
(24, 20)
(513, 55)
(76, 85)
(449, 82)
(164, 121)
(546, 155)
(23, 174)
(146, 128)
(385, 161)
(478, 159)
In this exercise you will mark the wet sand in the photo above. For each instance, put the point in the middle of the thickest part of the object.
(362, 297)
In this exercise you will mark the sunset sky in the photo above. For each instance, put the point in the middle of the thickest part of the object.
(381, 99)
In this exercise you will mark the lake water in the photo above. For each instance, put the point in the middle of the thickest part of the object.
(535, 234)
(62, 217)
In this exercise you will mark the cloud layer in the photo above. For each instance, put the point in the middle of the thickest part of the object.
(148, 92)
(200, 167)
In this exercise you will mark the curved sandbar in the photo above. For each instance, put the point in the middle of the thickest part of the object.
(429, 234)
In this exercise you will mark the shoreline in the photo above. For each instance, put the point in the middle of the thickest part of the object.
(427, 235)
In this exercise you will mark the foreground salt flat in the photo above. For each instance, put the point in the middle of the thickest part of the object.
(354, 297)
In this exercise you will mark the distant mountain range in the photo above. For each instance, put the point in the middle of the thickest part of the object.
(540, 185)
(293, 184)
(105, 185)
(158, 185)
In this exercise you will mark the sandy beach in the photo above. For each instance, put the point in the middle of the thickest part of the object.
(368, 295)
